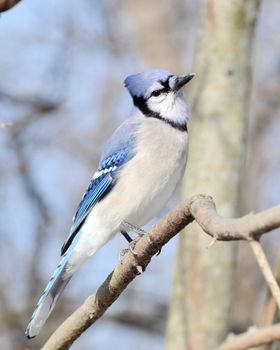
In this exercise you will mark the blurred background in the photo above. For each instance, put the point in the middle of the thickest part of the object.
(61, 70)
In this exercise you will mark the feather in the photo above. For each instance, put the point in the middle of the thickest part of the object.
(119, 149)
(95, 191)
(140, 84)
(50, 295)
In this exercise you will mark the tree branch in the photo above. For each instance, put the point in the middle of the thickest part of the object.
(269, 312)
(266, 270)
(7, 4)
(248, 227)
(253, 337)
(200, 208)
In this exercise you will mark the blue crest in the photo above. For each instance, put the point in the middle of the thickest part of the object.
(140, 84)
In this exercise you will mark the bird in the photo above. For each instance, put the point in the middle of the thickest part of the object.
(140, 167)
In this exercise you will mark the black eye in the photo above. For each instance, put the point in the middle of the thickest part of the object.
(156, 93)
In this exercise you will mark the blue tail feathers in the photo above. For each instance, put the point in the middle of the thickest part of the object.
(54, 288)
(48, 299)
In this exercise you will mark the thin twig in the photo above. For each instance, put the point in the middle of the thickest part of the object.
(266, 270)
(269, 312)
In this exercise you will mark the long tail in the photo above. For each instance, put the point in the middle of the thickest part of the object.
(48, 299)
(54, 288)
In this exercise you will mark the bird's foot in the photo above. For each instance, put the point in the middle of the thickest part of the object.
(122, 254)
(132, 243)
(126, 226)
(132, 246)
(139, 269)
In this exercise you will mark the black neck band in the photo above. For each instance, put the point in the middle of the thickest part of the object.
(140, 103)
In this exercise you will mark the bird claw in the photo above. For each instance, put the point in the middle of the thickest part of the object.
(129, 249)
(122, 254)
(138, 269)
(132, 246)
(126, 226)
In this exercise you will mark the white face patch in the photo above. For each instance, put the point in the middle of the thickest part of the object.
(170, 105)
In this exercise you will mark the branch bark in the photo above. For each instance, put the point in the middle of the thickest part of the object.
(200, 208)
(253, 337)
(7, 4)
(266, 270)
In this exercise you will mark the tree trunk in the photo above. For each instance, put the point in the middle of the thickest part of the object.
(202, 294)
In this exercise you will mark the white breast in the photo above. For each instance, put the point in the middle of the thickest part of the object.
(156, 169)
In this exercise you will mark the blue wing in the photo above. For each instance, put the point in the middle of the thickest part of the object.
(119, 150)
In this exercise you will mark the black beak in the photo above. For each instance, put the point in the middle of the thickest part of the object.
(181, 81)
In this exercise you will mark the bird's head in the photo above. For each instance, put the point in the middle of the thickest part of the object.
(158, 93)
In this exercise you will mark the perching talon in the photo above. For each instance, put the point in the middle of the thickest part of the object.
(131, 241)
(132, 246)
(159, 251)
(122, 254)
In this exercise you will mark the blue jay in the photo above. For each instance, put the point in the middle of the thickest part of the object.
(140, 167)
